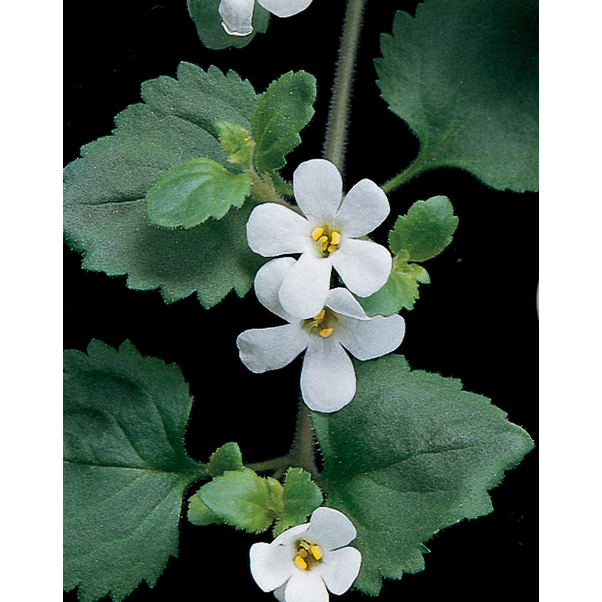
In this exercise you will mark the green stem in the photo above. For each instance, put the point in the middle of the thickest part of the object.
(417, 166)
(336, 130)
(303, 448)
(274, 464)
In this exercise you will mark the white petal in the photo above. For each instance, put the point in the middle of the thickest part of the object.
(340, 569)
(363, 209)
(286, 537)
(303, 292)
(263, 349)
(369, 339)
(276, 230)
(318, 189)
(237, 16)
(342, 302)
(306, 586)
(268, 280)
(363, 265)
(330, 529)
(327, 376)
(271, 565)
(285, 8)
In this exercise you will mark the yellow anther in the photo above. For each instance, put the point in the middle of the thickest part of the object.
(335, 238)
(323, 243)
(317, 233)
(300, 562)
(303, 553)
(316, 552)
(320, 316)
(326, 332)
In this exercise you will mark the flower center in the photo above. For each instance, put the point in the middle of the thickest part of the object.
(322, 324)
(328, 240)
(307, 555)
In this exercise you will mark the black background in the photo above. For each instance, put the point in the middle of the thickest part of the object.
(477, 321)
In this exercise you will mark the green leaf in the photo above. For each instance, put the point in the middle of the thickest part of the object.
(301, 496)
(464, 75)
(105, 213)
(187, 195)
(243, 500)
(226, 457)
(412, 454)
(236, 142)
(125, 468)
(199, 515)
(425, 231)
(208, 23)
(283, 110)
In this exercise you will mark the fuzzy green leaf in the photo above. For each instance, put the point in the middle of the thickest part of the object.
(464, 75)
(282, 111)
(105, 212)
(125, 468)
(412, 454)
(208, 23)
(187, 195)
(226, 457)
(199, 515)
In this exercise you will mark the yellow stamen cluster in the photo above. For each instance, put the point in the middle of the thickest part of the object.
(328, 240)
(307, 555)
(323, 323)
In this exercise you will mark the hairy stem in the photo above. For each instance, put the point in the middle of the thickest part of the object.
(417, 166)
(336, 130)
(303, 448)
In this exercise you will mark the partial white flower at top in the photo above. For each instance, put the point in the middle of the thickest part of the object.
(237, 15)
(305, 562)
(327, 376)
(327, 237)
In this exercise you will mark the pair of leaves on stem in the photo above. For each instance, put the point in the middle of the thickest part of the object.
(412, 454)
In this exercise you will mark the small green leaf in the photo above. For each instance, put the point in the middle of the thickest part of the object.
(243, 500)
(412, 454)
(282, 111)
(199, 515)
(187, 195)
(236, 142)
(301, 496)
(125, 468)
(208, 23)
(425, 231)
(463, 74)
(226, 457)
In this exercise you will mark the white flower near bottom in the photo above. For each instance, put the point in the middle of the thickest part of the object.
(305, 562)
(327, 377)
(237, 15)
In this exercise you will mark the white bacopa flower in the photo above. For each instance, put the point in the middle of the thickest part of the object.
(237, 15)
(327, 237)
(305, 562)
(341, 325)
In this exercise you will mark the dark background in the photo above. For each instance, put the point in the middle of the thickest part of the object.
(477, 321)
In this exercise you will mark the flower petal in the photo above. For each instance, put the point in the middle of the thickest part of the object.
(327, 376)
(340, 569)
(363, 265)
(285, 8)
(237, 16)
(318, 189)
(366, 340)
(271, 565)
(286, 536)
(306, 586)
(330, 528)
(365, 207)
(304, 289)
(343, 303)
(268, 280)
(263, 349)
(276, 230)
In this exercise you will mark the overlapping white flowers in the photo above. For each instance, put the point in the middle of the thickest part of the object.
(329, 236)
(305, 562)
(237, 15)
(327, 377)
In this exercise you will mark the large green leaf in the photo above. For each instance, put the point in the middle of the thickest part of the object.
(104, 191)
(125, 468)
(411, 454)
(464, 75)
(208, 23)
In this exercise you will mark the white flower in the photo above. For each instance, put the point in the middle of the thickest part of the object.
(306, 561)
(327, 377)
(237, 15)
(328, 237)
